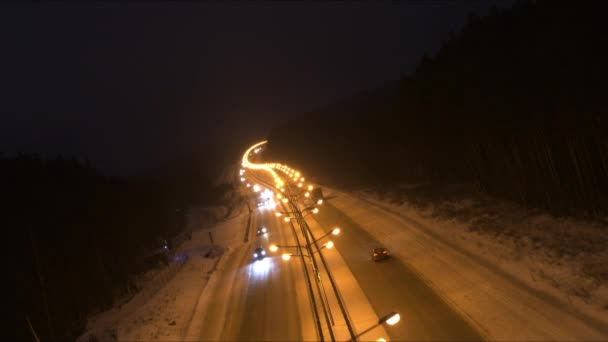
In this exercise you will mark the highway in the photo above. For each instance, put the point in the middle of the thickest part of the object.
(269, 300)
(258, 300)
(391, 286)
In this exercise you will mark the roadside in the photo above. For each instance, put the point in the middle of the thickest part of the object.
(358, 308)
(499, 290)
(165, 305)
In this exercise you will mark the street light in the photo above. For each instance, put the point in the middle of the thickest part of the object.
(329, 244)
(390, 319)
(287, 256)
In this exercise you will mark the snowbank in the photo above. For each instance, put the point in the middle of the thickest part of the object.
(166, 304)
(495, 285)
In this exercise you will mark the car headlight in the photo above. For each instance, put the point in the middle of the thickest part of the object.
(263, 252)
(255, 255)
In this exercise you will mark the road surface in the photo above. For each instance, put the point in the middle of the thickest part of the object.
(391, 286)
(257, 301)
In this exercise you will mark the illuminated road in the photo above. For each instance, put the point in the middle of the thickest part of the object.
(257, 301)
(267, 300)
(390, 285)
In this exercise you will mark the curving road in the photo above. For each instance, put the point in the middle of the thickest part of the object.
(267, 300)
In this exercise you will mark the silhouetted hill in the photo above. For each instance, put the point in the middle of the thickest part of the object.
(514, 103)
(198, 178)
(75, 239)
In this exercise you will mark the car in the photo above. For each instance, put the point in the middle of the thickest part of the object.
(259, 254)
(262, 231)
(380, 253)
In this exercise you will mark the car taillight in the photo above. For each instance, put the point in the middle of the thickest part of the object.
(375, 254)
(384, 252)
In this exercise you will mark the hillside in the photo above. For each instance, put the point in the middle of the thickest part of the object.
(512, 104)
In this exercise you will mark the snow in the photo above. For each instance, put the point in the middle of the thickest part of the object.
(359, 309)
(168, 303)
(509, 285)
(503, 288)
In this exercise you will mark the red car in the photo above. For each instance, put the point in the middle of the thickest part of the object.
(380, 253)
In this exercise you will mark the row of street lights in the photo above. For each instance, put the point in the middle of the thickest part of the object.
(287, 256)
(297, 179)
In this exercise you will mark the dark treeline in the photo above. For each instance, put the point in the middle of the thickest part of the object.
(514, 103)
(74, 238)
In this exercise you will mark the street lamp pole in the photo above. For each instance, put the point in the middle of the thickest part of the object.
(302, 223)
(307, 231)
(309, 285)
(390, 319)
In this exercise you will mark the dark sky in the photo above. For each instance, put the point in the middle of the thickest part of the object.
(129, 86)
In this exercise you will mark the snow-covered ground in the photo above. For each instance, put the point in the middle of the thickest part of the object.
(508, 289)
(164, 308)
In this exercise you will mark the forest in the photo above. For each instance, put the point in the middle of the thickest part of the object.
(74, 239)
(513, 103)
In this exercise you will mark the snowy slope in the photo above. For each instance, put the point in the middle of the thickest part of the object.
(499, 294)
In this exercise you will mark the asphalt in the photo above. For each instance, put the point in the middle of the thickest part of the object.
(392, 286)
(259, 299)
(261, 303)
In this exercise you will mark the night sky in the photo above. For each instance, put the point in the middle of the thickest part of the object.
(130, 86)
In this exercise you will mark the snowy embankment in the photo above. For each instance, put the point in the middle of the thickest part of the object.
(510, 282)
(166, 303)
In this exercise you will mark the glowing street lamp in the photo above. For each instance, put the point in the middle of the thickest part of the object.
(390, 319)
(329, 244)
